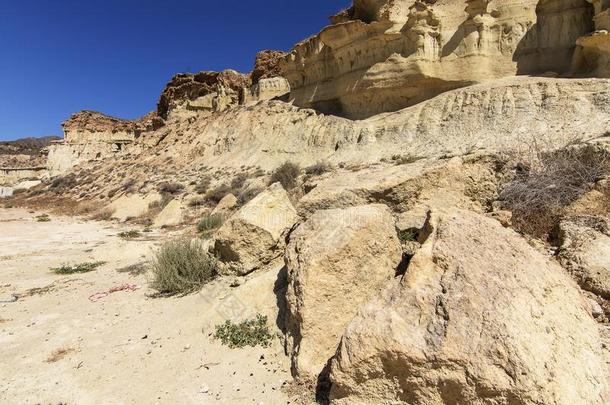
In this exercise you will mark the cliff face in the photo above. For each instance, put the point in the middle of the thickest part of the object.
(384, 55)
(220, 89)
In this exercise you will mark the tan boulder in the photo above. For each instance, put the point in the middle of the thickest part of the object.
(225, 205)
(133, 206)
(254, 235)
(337, 260)
(479, 318)
(585, 251)
(171, 215)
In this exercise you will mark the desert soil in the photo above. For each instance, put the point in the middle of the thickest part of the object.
(57, 345)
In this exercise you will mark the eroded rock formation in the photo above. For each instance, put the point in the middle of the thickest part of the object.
(336, 261)
(211, 91)
(254, 235)
(382, 56)
(480, 317)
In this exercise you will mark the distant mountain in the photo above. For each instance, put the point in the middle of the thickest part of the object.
(26, 146)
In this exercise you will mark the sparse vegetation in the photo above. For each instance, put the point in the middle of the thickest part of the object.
(63, 182)
(131, 234)
(318, 169)
(218, 193)
(405, 159)
(182, 266)
(59, 354)
(134, 269)
(544, 186)
(105, 214)
(408, 235)
(208, 223)
(248, 194)
(77, 268)
(43, 218)
(253, 332)
(170, 187)
(203, 185)
(287, 175)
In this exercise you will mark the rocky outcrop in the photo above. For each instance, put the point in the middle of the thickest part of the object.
(254, 235)
(336, 260)
(90, 135)
(385, 55)
(91, 126)
(585, 251)
(592, 55)
(487, 117)
(479, 317)
(267, 65)
(209, 91)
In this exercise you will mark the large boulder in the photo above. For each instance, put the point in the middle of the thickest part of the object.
(585, 251)
(479, 318)
(255, 234)
(337, 260)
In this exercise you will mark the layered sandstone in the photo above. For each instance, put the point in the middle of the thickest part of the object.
(212, 91)
(382, 56)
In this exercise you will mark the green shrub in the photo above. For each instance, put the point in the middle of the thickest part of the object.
(43, 218)
(182, 266)
(253, 332)
(408, 235)
(77, 268)
(132, 234)
(287, 175)
(209, 223)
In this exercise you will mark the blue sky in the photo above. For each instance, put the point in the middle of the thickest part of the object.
(115, 56)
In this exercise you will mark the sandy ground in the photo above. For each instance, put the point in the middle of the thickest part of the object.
(127, 347)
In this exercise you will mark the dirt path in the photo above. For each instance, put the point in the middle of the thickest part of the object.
(57, 345)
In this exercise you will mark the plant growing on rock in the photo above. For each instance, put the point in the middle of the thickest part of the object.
(287, 175)
(545, 185)
(253, 332)
(318, 169)
(182, 266)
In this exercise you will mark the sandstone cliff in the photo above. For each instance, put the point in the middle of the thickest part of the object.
(381, 56)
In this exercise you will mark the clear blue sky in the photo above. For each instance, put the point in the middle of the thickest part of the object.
(115, 56)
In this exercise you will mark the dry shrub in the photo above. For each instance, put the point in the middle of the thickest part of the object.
(287, 175)
(105, 214)
(549, 182)
(59, 354)
(218, 193)
(182, 266)
(170, 187)
(318, 169)
(203, 185)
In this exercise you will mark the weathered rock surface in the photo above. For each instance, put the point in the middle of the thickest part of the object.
(585, 251)
(336, 260)
(215, 90)
(133, 206)
(385, 55)
(267, 65)
(480, 317)
(424, 183)
(171, 215)
(254, 235)
(225, 205)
